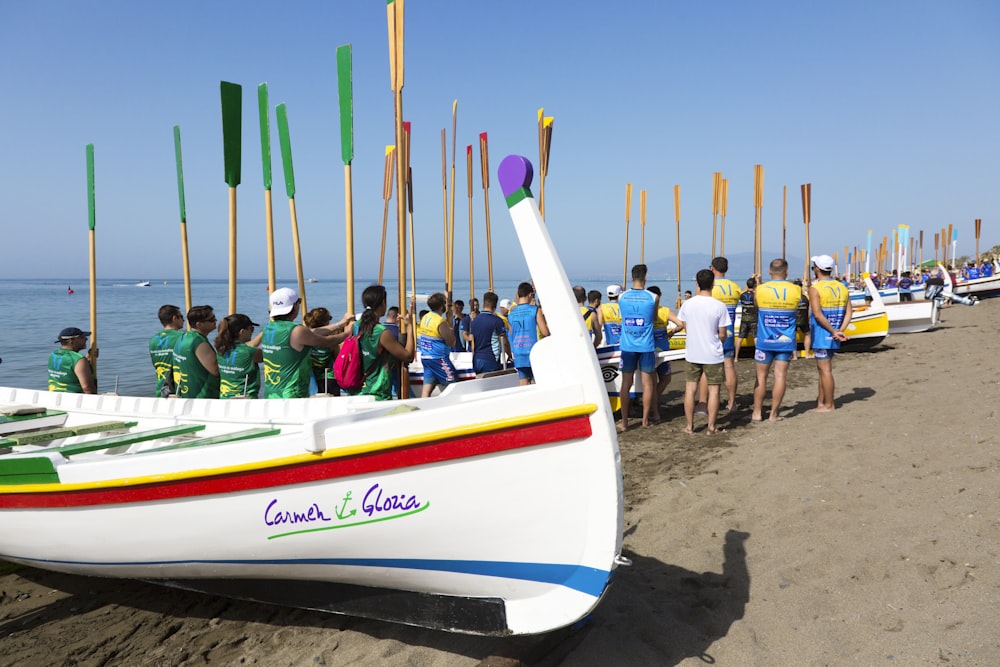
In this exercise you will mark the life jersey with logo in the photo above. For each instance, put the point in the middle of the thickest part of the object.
(833, 297)
(191, 378)
(286, 370)
(660, 326)
(638, 312)
(728, 292)
(238, 372)
(612, 323)
(429, 341)
(161, 351)
(62, 371)
(777, 302)
(523, 333)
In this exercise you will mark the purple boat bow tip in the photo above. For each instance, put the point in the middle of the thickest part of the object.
(515, 172)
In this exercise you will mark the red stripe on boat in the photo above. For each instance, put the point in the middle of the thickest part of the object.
(309, 471)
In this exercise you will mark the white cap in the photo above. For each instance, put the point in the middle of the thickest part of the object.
(505, 303)
(824, 263)
(614, 291)
(283, 300)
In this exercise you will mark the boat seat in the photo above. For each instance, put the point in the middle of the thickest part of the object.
(49, 434)
(28, 470)
(217, 439)
(14, 418)
(119, 440)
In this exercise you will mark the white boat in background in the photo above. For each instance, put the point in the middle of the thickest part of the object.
(142, 283)
(490, 509)
(907, 316)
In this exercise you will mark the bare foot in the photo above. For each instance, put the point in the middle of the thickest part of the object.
(713, 431)
(821, 408)
(622, 427)
(776, 418)
(756, 417)
(689, 430)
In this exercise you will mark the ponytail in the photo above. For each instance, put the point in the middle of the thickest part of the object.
(224, 340)
(372, 298)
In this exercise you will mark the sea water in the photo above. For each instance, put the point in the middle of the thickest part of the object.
(37, 310)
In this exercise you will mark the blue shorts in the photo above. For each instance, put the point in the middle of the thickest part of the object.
(440, 371)
(484, 365)
(524, 373)
(644, 361)
(729, 354)
(767, 356)
(823, 354)
(663, 370)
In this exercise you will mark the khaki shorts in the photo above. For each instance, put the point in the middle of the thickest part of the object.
(714, 373)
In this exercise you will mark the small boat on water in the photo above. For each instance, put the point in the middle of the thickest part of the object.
(490, 509)
(142, 283)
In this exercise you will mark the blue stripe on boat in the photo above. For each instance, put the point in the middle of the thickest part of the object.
(589, 580)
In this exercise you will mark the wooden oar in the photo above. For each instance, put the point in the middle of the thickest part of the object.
(936, 241)
(484, 160)
(758, 203)
(951, 242)
(784, 216)
(642, 225)
(628, 215)
(387, 181)
(286, 160)
(264, 112)
(232, 133)
(345, 90)
(451, 213)
(472, 271)
(716, 187)
(91, 224)
(395, 21)
(979, 227)
(722, 213)
(444, 208)
(806, 208)
(677, 220)
(545, 144)
(409, 207)
(185, 258)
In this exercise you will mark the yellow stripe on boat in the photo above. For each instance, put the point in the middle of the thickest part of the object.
(340, 452)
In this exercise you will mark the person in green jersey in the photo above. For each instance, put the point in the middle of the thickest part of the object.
(238, 353)
(321, 358)
(70, 371)
(381, 352)
(161, 348)
(286, 346)
(196, 369)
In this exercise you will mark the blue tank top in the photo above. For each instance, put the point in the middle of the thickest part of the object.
(638, 310)
(777, 302)
(833, 298)
(523, 333)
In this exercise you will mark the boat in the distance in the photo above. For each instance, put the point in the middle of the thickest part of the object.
(142, 283)
(491, 509)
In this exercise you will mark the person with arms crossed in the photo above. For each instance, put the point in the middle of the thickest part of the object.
(777, 302)
(707, 322)
(830, 315)
(638, 308)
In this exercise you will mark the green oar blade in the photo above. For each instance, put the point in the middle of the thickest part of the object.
(286, 149)
(180, 172)
(232, 128)
(265, 133)
(92, 217)
(345, 88)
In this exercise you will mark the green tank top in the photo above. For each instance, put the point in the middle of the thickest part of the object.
(161, 351)
(378, 382)
(286, 371)
(191, 378)
(62, 371)
(237, 369)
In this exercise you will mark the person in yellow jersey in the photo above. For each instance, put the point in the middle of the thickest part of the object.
(728, 292)
(589, 315)
(777, 301)
(829, 316)
(612, 316)
(435, 340)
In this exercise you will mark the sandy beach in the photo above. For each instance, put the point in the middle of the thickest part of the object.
(868, 536)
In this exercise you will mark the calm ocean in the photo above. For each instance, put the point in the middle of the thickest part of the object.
(126, 319)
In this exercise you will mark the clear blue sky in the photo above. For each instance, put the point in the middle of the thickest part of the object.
(888, 108)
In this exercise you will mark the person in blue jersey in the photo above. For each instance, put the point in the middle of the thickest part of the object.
(728, 292)
(589, 314)
(436, 340)
(488, 337)
(612, 316)
(527, 325)
(829, 317)
(707, 322)
(986, 269)
(638, 308)
(905, 283)
(777, 302)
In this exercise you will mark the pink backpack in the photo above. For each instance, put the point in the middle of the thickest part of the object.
(348, 366)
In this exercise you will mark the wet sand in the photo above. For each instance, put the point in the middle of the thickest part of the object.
(866, 536)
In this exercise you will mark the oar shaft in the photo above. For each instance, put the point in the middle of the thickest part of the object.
(269, 229)
(185, 257)
(232, 250)
(93, 302)
(298, 255)
(349, 235)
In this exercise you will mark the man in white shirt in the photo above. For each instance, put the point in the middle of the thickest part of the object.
(706, 321)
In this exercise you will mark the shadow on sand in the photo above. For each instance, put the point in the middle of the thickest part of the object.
(697, 608)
